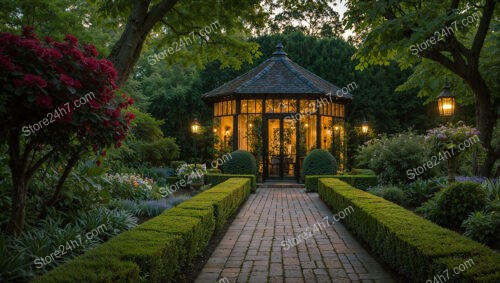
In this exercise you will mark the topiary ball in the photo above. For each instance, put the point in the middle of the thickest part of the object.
(456, 202)
(240, 162)
(320, 162)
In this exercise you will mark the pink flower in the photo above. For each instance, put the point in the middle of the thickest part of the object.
(44, 101)
(34, 80)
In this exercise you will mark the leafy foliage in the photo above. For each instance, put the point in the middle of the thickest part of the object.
(451, 206)
(320, 162)
(420, 191)
(390, 193)
(483, 227)
(391, 156)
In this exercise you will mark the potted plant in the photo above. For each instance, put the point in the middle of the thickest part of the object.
(449, 141)
(193, 174)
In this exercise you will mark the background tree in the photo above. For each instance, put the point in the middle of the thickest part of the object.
(466, 53)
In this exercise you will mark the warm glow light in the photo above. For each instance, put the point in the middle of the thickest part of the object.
(364, 129)
(195, 127)
(215, 130)
(250, 125)
(336, 128)
(306, 125)
(446, 102)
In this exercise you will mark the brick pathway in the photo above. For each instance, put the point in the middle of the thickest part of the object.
(251, 249)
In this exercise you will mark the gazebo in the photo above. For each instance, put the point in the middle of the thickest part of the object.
(279, 111)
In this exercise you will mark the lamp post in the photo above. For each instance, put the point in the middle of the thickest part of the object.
(195, 129)
(446, 102)
(364, 129)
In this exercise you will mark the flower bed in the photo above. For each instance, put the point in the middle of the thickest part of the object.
(161, 248)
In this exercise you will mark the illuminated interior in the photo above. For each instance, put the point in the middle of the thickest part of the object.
(280, 130)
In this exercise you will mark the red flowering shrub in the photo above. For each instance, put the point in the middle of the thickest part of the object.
(38, 79)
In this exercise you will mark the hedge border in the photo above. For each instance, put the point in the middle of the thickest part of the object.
(215, 179)
(417, 248)
(359, 181)
(162, 247)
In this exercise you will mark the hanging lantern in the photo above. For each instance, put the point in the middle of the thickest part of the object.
(446, 102)
(195, 127)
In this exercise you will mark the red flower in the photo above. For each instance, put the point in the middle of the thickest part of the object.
(6, 63)
(90, 50)
(103, 153)
(49, 39)
(71, 39)
(44, 101)
(67, 80)
(65, 118)
(51, 53)
(99, 162)
(34, 80)
(29, 32)
(94, 104)
(91, 64)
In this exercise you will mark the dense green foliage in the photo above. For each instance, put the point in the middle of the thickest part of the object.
(390, 193)
(392, 156)
(241, 162)
(415, 247)
(451, 206)
(162, 248)
(319, 162)
(483, 227)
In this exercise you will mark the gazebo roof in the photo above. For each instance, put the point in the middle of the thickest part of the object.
(276, 75)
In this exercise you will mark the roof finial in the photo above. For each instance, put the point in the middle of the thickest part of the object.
(279, 50)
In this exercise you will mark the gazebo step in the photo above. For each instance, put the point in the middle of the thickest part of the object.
(280, 185)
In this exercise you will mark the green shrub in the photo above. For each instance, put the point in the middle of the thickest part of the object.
(359, 171)
(421, 191)
(161, 249)
(390, 193)
(241, 162)
(451, 206)
(417, 248)
(359, 181)
(483, 227)
(392, 157)
(217, 178)
(319, 162)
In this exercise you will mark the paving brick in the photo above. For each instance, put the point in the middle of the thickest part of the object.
(252, 250)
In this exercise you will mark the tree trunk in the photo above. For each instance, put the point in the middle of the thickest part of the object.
(18, 209)
(19, 185)
(486, 117)
(127, 49)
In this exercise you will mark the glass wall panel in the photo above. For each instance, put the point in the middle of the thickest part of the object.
(258, 106)
(292, 105)
(223, 130)
(276, 106)
(326, 133)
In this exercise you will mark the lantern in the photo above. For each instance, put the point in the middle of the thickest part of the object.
(446, 102)
(195, 127)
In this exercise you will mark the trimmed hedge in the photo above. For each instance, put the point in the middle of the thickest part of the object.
(417, 248)
(359, 181)
(162, 248)
(215, 179)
